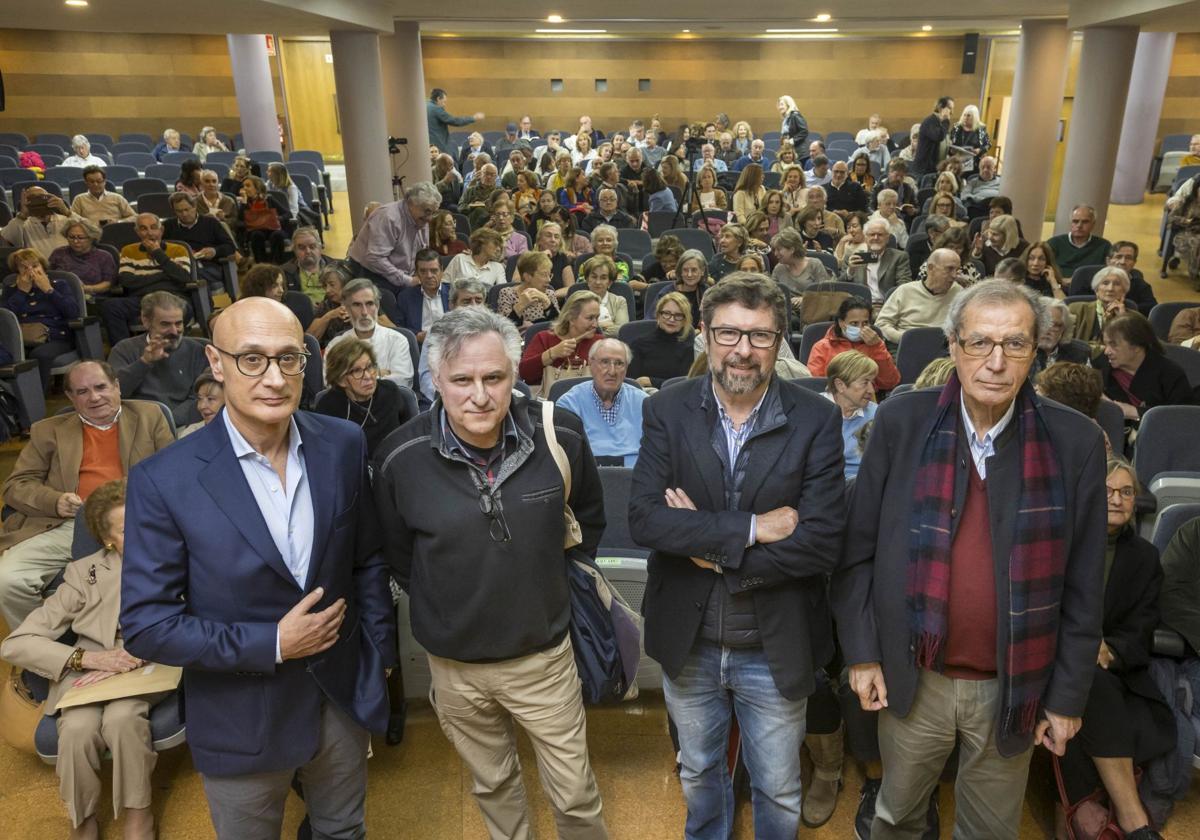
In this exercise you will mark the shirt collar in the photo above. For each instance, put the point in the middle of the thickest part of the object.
(242, 447)
(107, 426)
(721, 407)
(992, 433)
(616, 400)
(454, 445)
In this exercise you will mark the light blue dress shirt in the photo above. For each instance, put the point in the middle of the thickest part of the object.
(286, 507)
(983, 449)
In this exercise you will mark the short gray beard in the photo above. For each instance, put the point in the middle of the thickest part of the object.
(737, 384)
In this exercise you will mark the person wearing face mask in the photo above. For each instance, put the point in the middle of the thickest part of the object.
(852, 330)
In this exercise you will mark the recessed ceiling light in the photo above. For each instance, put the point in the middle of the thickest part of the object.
(79, 3)
(927, 28)
(793, 31)
(687, 30)
(554, 19)
(824, 17)
(571, 31)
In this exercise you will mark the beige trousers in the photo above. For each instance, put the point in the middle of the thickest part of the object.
(84, 733)
(477, 704)
(28, 566)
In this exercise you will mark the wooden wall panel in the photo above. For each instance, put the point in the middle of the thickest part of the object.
(69, 82)
(1181, 106)
(832, 81)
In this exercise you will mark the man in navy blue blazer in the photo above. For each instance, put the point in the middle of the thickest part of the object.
(421, 305)
(252, 560)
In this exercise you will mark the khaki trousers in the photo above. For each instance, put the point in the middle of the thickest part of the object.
(84, 732)
(477, 704)
(28, 566)
(990, 789)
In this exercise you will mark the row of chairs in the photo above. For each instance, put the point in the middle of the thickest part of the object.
(63, 141)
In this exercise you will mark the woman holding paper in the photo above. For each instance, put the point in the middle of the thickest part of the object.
(88, 602)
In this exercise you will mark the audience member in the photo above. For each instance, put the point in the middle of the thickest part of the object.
(667, 251)
(189, 178)
(356, 393)
(1123, 255)
(565, 345)
(208, 239)
(439, 120)
(484, 262)
(607, 213)
(392, 353)
(855, 240)
(980, 623)
(1137, 375)
(794, 188)
(241, 169)
(851, 331)
(41, 223)
(665, 352)
(1041, 272)
(610, 407)
(604, 241)
(1079, 247)
(81, 154)
(462, 293)
(162, 363)
(599, 273)
(423, 304)
(302, 273)
(264, 281)
(708, 157)
(1126, 722)
(96, 203)
(44, 309)
(998, 241)
(208, 142)
(213, 202)
(1183, 210)
(969, 133)
(490, 656)
(732, 242)
(886, 211)
(94, 267)
(762, 643)
(149, 265)
(842, 195)
(169, 143)
(896, 181)
(983, 187)
(67, 457)
(794, 127)
(330, 318)
(874, 151)
(261, 217)
(818, 175)
(1110, 285)
(831, 222)
(86, 604)
(706, 194)
(794, 271)
(1185, 327)
(754, 155)
(808, 223)
(1055, 344)
(210, 399)
(924, 303)
(851, 387)
(878, 267)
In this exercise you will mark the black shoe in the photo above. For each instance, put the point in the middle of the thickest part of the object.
(1173, 263)
(932, 818)
(866, 809)
(1144, 833)
(395, 729)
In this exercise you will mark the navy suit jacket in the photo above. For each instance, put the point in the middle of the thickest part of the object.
(204, 587)
(410, 300)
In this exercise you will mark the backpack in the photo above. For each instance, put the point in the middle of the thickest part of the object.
(10, 416)
(1167, 778)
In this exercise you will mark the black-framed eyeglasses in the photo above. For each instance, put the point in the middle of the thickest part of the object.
(256, 364)
(732, 336)
(1013, 348)
(489, 504)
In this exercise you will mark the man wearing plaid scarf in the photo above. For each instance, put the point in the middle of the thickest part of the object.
(969, 598)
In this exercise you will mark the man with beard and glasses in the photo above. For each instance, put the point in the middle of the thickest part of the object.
(392, 353)
(738, 490)
(162, 363)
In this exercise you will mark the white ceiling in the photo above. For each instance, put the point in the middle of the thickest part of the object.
(661, 18)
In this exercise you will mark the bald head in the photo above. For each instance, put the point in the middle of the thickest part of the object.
(258, 354)
(238, 323)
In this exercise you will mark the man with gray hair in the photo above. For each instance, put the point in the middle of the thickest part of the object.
(1056, 344)
(1078, 247)
(969, 598)
(610, 407)
(879, 267)
(488, 519)
(384, 249)
(608, 212)
(393, 355)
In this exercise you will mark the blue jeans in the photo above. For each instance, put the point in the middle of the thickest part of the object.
(715, 681)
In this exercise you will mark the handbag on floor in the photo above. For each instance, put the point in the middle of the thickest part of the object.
(606, 633)
(1092, 817)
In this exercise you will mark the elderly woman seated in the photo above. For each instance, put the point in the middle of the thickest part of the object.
(851, 387)
(565, 346)
(886, 203)
(88, 603)
(599, 272)
(44, 308)
(1137, 375)
(356, 393)
(210, 399)
(95, 267)
(1111, 285)
(530, 300)
(666, 351)
(604, 241)
(330, 318)
(1126, 722)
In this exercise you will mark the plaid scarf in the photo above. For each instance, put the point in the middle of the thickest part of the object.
(1035, 569)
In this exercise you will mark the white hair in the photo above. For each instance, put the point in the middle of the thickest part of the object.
(1110, 271)
(80, 142)
(447, 336)
(424, 194)
(613, 342)
(996, 292)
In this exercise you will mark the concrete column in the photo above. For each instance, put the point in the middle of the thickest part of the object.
(404, 98)
(1105, 64)
(255, 92)
(1032, 134)
(1151, 70)
(359, 83)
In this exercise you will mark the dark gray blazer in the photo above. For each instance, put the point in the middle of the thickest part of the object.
(893, 270)
(868, 590)
(794, 459)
